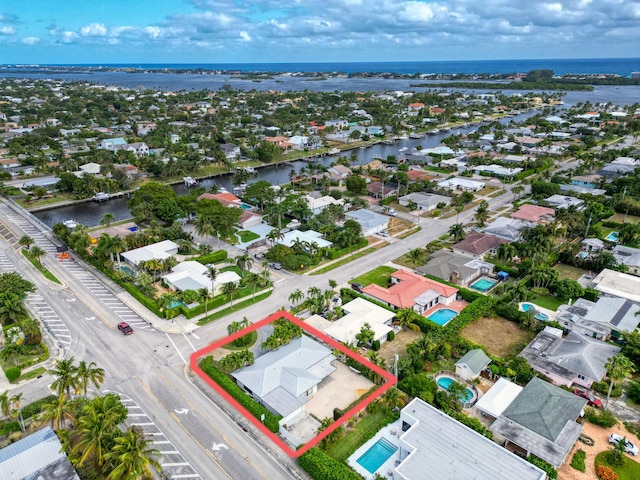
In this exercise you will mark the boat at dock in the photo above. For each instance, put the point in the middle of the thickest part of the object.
(416, 135)
(101, 197)
(190, 182)
(334, 151)
(71, 224)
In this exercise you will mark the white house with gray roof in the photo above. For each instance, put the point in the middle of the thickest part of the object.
(472, 364)
(370, 222)
(284, 379)
(455, 268)
(508, 228)
(608, 317)
(617, 284)
(433, 445)
(155, 251)
(630, 257)
(424, 201)
(541, 420)
(575, 359)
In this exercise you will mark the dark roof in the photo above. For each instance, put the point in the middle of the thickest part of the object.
(479, 243)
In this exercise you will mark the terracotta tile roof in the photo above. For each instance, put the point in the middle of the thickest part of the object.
(479, 243)
(409, 287)
(416, 175)
(533, 213)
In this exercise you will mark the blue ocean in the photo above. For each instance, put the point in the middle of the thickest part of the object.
(618, 66)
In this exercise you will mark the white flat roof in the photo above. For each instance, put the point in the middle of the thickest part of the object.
(618, 284)
(498, 397)
(360, 311)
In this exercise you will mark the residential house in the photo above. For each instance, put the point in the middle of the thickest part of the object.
(576, 359)
(155, 251)
(425, 201)
(339, 173)
(337, 124)
(630, 257)
(509, 229)
(38, 456)
(22, 170)
(534, 214)
(586, 181)
(582, 190)
(472, 364)
(120, 231)
(280, 142)
(191, 275)
(455, 268)
(431, 441)
(462, 184)
(318, 204)
(542, 421)
(309, 237)
(130, 171)
(111, 143)
(409, 290)
(358, 312)
(563, 201)
(496, 400)
(8, 163)
(607, 317)
(47, 182)
(91, 168)
(478, 245)
(617, 284)
(496, 170)
(381, 190)
(231, 151)
(249, 219)
(227, 199)
(283, 380)
(299, 142)
(370, 222)
(139, 149)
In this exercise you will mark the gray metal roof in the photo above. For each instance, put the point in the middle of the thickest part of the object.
(475, 360)
(443, 263)
(367, 218)
(542, 420)
(445, 449)
(617, 312)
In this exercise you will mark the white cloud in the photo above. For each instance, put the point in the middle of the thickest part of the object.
(69, 37)
(245, 36)
(417, 11)
(94, 30)
(154, 32)
(30, 40)
(8, 30)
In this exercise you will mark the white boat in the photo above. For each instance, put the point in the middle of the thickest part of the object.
(101, 197)
(416, 135)
(70, 224)
(334, 151)
(189, 181)
(249, 170)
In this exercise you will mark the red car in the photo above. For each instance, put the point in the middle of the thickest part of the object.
(125, 328)
(592, 401)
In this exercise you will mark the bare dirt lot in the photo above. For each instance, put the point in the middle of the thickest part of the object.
(398, 345)
(499, 336)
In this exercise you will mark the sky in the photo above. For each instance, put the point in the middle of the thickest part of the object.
(269, 31)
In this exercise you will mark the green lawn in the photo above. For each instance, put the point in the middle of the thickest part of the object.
(356, 437)
(236, 306)
(30, 354)
(350, 257)
(547, 301)
(380, 276)
(630, 470)
(247, 236)
(567, 271)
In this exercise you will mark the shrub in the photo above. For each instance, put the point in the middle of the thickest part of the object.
(13, 373)
(472, 423)
(36, 407)
(552, 473)
(337, 413)
(578, 460)
(390, 336)
(603, 418)
(296, 262)
(603, 388)
(321, 466)
(606, 473)
(253, 407)
(214, 257)
(375, 345)
(9, 427)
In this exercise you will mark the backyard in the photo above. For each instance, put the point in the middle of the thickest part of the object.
(509, 340)
(567, 271)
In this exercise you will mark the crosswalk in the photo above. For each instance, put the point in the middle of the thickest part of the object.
(173, 463)
(49, 318)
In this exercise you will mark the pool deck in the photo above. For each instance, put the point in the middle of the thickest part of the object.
(549, 313)
(448, 373)
(390, 433)
(456, 305)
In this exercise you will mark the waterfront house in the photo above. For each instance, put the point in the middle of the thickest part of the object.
(231, 151)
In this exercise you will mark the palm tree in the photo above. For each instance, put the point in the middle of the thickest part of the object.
(482, 213)
(415, 256)
(11, 308)
(212, 274)
(457, 231)
(131, 455)
(37, 253)
(517, 189)
(506, 251)
(26, 241)
(274, 235)
(167, 303)
(393, 398)
(296, 296)
(459, 207)
(107, 219)
(88, 373)
(244, 262)
(10, 352)
(230, 288)
(374, 357)
(65, 373)
(5, 404)
(58, 410)
(203, 298)
(619, 368)
(406, 318)
(204, 227)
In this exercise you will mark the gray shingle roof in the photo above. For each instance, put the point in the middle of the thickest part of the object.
(475, 360)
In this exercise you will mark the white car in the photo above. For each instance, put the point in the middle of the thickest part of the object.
(628, 446)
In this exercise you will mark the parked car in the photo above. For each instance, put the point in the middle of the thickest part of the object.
(125, 328)
(628, 446)
(592, 400)
(384, 233)
(275, 265)
(357, 287)
(392, 212)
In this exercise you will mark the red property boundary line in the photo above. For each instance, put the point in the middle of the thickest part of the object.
(390, 380)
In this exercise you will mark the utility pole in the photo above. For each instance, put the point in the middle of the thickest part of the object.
(586, 232)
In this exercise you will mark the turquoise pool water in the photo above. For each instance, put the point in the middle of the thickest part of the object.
(127, 270)
(612, 237)
(244, 206)
(176, 303)
(484, 284)
(538, 315)
(442, 316)
(377, 454)
(445, 382)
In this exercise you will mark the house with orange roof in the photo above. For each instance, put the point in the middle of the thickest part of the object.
(409, 290)
(225, 198)
(280, 142)
(534, 214)
(418, 175)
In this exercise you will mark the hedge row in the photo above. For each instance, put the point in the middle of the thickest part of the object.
(512, 271)
(36, 407)
(257, 410)
(466, 294)
(143, 299)
(9, 427)
(552, 473)
(213, 257)
(473, 423)
(333, 254)
(321, 466)
(480, 307)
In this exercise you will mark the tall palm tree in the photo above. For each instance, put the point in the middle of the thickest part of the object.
(131, 455)
(296, 296)
(517, 189)
(374, 357)
(167, 303)
(482, 213)
(5, 404)
(619, 368)
(26, 241)
(37, 253)
(203, 297)
(230, 288)
(204, 227)
(65, 372)
(58, 410)
(107, 219)
(274, 235)
(415, 256)
(12, 308)
(212, 274)
(457, 231)
(88, 373)
(244, 262)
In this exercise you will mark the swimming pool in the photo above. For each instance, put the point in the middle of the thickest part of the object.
(484, 284)
(446, 382)
(377, 454)
(442, 316)
(127, 270)
(536, 314)
(582, 255)
(612, 237)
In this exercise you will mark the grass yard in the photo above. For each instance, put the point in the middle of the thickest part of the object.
(620, 218)
(630, 470)
(350, 257)
(247, 236)
(236, 307)
(380, 276)
(567, 271)
(509, 340)
(547, 301)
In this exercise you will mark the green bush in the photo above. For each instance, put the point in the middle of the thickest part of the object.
(36, 407)
(213, 257)
(603, 388)
(9, 427)
(578, 460)
(375, 345)
(472, 423)
(143, 299)
(480, 307)
(602, 418)
(332, 253)
(253, 407)
(321, 466)
(552, 473)
(390, 336)
(13, 373)
(296, 262)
